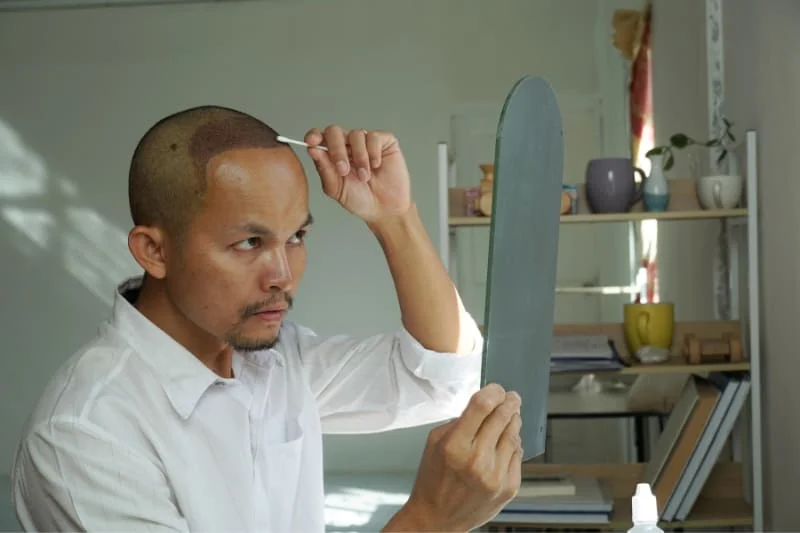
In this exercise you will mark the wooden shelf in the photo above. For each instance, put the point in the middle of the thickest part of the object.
(721, 502)
(677, 364)
(617, 217)
(683, 206)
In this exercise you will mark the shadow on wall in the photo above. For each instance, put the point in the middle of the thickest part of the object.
(49, 240)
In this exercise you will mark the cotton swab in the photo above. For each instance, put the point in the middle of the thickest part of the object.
(283, 139)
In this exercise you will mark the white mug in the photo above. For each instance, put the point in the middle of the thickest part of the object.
(719, 191)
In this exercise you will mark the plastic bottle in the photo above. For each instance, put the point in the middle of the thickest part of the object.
(644, 510)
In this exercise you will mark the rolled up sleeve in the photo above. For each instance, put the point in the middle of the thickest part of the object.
(388, 381)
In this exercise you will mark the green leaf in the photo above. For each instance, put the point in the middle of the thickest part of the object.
(679, 140)
(731, 137)
(727, 122)
(658, 150)
(669, 161)
(722, 156)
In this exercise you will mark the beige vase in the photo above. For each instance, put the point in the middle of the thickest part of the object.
(484, 201)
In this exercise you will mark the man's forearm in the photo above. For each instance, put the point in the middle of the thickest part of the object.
(429, 302)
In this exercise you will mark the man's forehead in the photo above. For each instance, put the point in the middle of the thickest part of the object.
(246, 168)
(251, 187)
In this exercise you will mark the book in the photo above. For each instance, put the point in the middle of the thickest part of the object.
(550, 485)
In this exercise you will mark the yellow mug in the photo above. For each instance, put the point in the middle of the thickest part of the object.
(649, 325)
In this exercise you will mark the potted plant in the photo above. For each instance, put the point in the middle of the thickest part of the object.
(717, 191)
(680, 141)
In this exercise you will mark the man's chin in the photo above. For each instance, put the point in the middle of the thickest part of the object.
(252, 345)
(254, 335)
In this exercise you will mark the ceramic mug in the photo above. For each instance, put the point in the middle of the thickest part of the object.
(649, 325)
(719, 191)
(611, 185)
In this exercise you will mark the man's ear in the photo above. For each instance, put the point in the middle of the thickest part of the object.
(148, 245)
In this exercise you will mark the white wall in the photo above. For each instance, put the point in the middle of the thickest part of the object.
(762, 66)
(762, 92)
(80, 87)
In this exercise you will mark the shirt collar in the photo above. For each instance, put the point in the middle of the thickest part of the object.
(183, 377)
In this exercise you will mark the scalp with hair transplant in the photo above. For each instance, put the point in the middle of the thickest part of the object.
(167, 177)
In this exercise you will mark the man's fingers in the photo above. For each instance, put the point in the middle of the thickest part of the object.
(331, 182)
(499, 422)
(514, 475)
(374, 149)
(351, 151)
(480, 406)
(357, 139)
(437, 433)
(337, 149)
(313, 137)
(509, 441)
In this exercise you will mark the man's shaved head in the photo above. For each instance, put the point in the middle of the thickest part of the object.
(220, 212)
(167, 178)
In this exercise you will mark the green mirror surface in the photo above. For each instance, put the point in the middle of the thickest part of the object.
(523, 251)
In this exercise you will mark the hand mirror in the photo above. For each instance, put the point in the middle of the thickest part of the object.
(523, 249)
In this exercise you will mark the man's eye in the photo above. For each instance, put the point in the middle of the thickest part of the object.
(298, 237)
(248, 244)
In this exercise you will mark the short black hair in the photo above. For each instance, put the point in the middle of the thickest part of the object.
(167, 178)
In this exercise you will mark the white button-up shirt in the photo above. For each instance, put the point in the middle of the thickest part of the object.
(135, 433)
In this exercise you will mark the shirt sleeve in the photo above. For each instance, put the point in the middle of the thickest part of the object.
(74, 476)
(388, 381)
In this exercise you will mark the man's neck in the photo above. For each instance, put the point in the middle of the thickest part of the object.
(155, 305)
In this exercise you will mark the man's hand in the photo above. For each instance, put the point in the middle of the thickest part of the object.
(471, 467)
(362, 170)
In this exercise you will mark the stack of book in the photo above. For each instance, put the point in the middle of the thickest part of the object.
(560, 499)
(584, 353)
(693, 438)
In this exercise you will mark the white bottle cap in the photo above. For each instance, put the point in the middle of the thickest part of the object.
(644, 506)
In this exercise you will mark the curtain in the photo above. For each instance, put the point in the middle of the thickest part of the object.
(632, 36)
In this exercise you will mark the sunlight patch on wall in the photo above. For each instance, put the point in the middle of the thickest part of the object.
(96, 252)
(52, 225)
(353, 507)
(33, 223)
(22, 172)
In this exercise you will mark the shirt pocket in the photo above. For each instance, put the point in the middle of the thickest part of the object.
(278, 479)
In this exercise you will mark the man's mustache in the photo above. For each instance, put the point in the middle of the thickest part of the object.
(277, 299)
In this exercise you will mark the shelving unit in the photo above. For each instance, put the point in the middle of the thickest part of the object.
(732, 495)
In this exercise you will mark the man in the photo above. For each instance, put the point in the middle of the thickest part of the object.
(198, 407)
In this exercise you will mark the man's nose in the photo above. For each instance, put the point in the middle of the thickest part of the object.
(276, 271)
